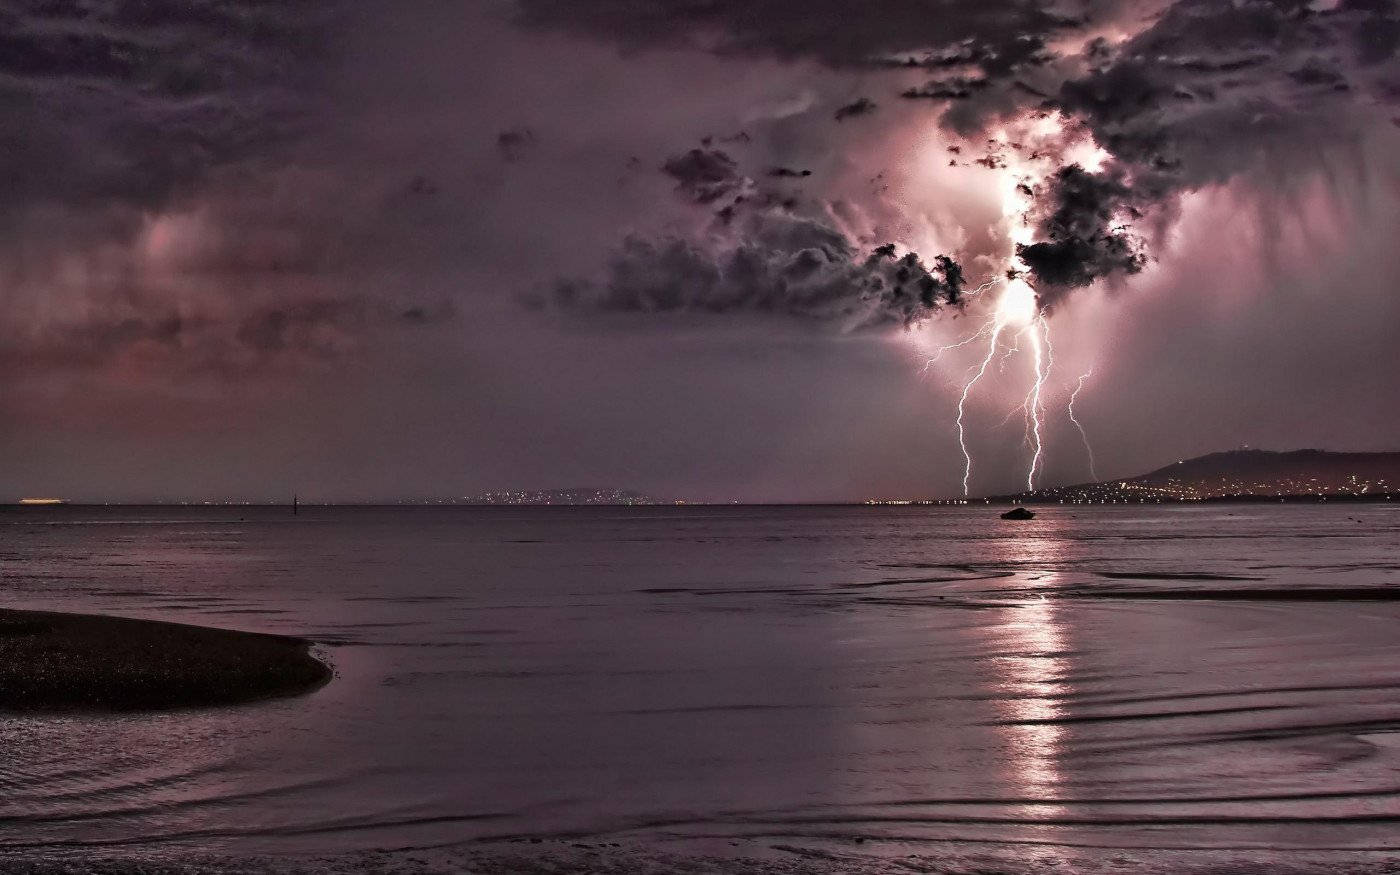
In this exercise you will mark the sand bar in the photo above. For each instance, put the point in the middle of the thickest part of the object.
(86, 662)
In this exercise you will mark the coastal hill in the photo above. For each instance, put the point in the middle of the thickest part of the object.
(1243, 475)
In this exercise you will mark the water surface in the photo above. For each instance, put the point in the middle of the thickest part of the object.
(1101, 681)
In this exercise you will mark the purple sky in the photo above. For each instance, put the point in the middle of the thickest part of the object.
(365, 252)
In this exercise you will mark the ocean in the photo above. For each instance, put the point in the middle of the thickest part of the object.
(1100, 688)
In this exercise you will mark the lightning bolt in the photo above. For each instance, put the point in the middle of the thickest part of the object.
(1042, 359)
(1083, 435)
(938, 353)
(982, 288)
(1019, 408)
(980, 333)
(1016, 322)
(997, 324)
(1006, 356)
(1016, 307)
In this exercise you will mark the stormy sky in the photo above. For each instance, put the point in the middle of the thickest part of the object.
(705, 250)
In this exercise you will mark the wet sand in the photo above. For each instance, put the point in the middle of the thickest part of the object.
(745, 857)
(1255, 594)
(86, 662)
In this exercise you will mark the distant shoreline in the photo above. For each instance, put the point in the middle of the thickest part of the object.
(1380, 498)
(56, 662)
(996, 500)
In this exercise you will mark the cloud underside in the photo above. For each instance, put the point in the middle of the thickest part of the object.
(1197, 96)
(117, 114)
(129, 102)
(775, 265)
(831, 31)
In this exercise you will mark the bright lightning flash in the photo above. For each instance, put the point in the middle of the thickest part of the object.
(1074, 396)
(1017, 315)
(1016, 308)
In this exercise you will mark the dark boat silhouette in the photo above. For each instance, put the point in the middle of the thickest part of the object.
(1019, 513)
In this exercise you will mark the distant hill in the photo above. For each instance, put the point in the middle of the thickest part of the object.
(1244, 475)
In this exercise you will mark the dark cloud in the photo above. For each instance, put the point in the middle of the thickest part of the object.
(982, 49)
(704, 175)
(761, 258)
(1085, 235)
(116, 114)
(998, 33)
(955, 88)
(248, 214)
(1211, 83)
(149, 96)
(201, 341)
(1190, 100)
(860, 106)
(776, 265)
(516, 143)
(1199, 98)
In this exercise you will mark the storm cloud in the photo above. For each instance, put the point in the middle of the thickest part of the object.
(777, 265)
(705, 175)
(300, 233)
(1085, 233)
(858, 107)
(153, 95)
(1210, 91)
(159, 209)
(1199, 95)
(910, 32)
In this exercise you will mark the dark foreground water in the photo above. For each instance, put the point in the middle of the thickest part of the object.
(846, 687)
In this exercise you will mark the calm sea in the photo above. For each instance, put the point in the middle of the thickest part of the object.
(1109, 684)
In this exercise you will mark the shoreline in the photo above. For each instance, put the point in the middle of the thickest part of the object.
(597, 855)
(59, 662)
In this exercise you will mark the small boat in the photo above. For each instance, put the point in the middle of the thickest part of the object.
(1019, 513)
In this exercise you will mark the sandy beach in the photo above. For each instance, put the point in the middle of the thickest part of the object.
(59, 662)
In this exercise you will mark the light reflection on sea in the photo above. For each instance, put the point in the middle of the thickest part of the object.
(1030, 674)
(901, 677)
